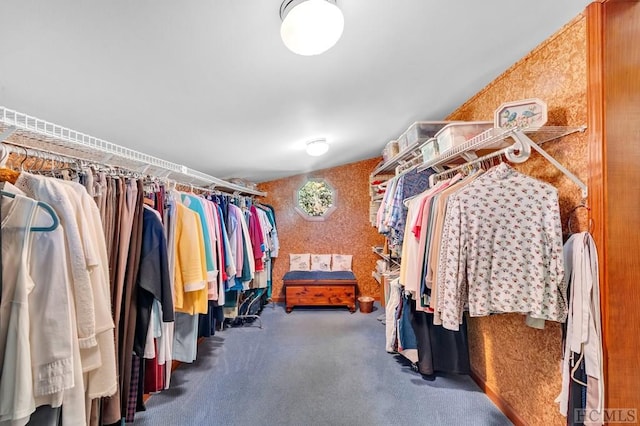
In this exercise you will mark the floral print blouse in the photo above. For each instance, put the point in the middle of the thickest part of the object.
(503, 250)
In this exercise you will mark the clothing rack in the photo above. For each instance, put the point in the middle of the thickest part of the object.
(449, 173)
(34, 133)
(518, 152)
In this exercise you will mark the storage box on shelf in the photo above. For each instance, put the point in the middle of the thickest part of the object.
(430, 149)
(455, 134)
(390, 150)
(409, 144)
(419, 132)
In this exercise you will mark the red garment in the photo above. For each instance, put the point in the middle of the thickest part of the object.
(153, 374)
(160, 203)
(255, 235)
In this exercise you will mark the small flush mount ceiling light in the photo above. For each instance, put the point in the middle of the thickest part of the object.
(317, 147)
(310, 27)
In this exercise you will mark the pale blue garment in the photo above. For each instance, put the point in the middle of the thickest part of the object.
(156, 312)
(383, 228)
(232, 228)
(185, 342)
(229, 262)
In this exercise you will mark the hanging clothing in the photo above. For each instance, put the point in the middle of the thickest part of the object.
(197, 205)
(129, 311)
(439, 349)
(190, 279)
(504, 250)
(257, 238)
(395, 291)
(433, 255)
(412, 249)
(221, 239)
(53, 192)
(101, 380)
(85, 244)
(116, 283)
(36, 337)
(153, 277)
(235, 246)
(583, 340)
(395, 211)
(190, 282)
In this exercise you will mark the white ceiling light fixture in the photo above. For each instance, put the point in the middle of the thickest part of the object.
(317, 147)
(310, 27)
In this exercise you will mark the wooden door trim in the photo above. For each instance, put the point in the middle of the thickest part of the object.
(596, 140)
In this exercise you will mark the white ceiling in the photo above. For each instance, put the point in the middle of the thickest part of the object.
(209, 84)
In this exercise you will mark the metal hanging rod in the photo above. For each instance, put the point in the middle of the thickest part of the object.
(20, 149)
(46, 136)
(523, 147)
(519, 152)
(452, 171)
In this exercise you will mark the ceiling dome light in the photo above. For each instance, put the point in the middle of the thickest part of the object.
(317, 147)
(310, 27)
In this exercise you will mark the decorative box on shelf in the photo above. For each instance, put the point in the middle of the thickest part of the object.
(523, 114)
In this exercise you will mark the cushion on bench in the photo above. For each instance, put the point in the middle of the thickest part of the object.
(319, 275)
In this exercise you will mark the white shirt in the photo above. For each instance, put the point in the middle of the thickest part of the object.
(102, 378)
(53, 192)
(36, 335)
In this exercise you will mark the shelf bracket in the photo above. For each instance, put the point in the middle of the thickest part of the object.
(524, 144)
(469, 155)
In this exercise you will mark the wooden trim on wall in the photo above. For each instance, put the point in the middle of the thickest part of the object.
(495, 397)
(613, 29)
(596, 141)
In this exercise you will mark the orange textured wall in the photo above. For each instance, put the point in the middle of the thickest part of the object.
(345, 231)
(519, 363)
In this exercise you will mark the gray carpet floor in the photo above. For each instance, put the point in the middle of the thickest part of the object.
(312, 367)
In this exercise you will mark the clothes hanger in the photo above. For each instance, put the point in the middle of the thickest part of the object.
(7, 174)
(46, 207)
(582, 205)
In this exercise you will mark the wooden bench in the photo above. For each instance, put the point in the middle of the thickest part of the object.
(317, 288)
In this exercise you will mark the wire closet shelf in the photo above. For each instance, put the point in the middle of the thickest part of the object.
(516, 144)
(48, 137)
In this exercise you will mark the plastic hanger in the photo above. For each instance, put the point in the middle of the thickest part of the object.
(46, 207)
